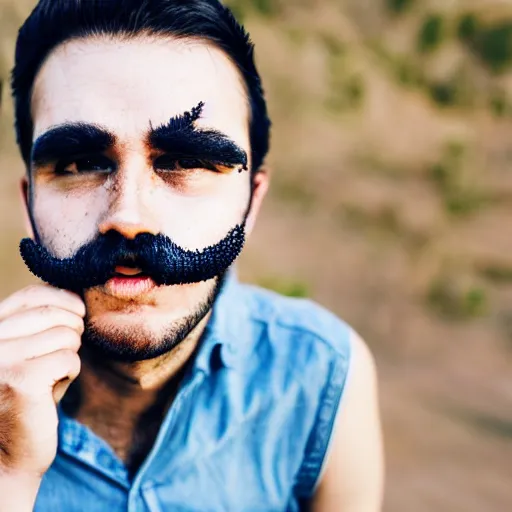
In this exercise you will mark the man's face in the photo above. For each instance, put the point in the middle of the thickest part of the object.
(130, 88)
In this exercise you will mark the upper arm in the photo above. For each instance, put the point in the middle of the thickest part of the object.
(354, 473)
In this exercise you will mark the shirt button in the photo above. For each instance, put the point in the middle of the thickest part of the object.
(105, 460)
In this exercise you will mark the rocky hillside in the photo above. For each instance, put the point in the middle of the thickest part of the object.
(390, 204)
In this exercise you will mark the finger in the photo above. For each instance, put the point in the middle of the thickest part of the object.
(45, 371)
(60, 388)
(33, 321)
(41, 295)
(15, 350)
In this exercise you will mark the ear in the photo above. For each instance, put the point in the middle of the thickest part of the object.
(24, 191)
(260, 185)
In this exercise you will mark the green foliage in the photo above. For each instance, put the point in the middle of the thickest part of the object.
(497, 427)
(463, 202)
(399, 6)
(468, 27)
(346, 88)
(383, 225)
(497, 274)
(456, 91)
(441, 174)
(487, 424)
(266, 7)
(455, 301)
(447, 175)
(296, 35)
(286, 287)
(334, 46)
(406, 71)
(505, 324)
(445, 94)
(499, 105)
(375, 163)
(454, 151)
(494, 46)
(355, 90)
(432, 33)
(346, 93)
(385, 220)
(491, 44)
(294, 191)
(241, 8)
(408, 74)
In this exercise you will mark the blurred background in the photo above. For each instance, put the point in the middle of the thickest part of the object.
(391, 204)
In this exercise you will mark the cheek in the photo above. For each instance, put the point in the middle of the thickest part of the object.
(195, 221)
(66, 221)
(195, 216)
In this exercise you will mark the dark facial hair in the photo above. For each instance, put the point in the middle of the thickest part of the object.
(156, 256)
(116, 347)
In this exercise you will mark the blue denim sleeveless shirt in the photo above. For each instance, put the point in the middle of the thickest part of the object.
(247, 431)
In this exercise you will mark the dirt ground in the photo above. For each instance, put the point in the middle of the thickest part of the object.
(391, 206)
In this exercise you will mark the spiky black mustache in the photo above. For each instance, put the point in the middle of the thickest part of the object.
(157, 256)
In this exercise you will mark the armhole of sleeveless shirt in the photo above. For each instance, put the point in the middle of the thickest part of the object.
(319, 443)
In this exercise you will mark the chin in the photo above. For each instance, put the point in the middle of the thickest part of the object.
(125, 344)
(133, 330)
(132, 338)
(134, 333)
(136, 319)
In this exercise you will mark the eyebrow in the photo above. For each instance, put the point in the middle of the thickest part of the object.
(71, 139)
(182, 139)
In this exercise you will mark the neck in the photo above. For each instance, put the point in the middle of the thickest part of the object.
(116, 398)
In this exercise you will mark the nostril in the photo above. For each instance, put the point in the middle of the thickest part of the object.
(128, 228)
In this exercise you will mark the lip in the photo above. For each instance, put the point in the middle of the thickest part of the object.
(126, 287)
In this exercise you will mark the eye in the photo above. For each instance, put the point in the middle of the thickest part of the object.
(89, 164)
(171, 163)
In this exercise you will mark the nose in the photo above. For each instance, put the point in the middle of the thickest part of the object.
(129, 213)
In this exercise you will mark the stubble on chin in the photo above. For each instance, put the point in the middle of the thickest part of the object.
(137, 336)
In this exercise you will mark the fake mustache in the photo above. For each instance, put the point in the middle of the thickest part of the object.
(157, 256)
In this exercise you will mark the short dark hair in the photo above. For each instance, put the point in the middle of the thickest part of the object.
(53, 22)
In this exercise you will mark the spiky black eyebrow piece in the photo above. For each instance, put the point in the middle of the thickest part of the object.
(182, 139)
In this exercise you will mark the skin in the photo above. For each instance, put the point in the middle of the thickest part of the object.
(354, 470)
(124, 87)
(196, 208)
(40, 331)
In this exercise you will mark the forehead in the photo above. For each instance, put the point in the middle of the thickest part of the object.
(126, 85)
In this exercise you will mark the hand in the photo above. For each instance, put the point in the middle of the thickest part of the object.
(40, 333)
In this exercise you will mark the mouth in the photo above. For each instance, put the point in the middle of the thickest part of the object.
(129, 283)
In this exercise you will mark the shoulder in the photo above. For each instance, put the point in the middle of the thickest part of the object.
(305, 343)
(302, 321)
(353, 472)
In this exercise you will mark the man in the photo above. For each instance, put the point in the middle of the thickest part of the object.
(144, 131)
